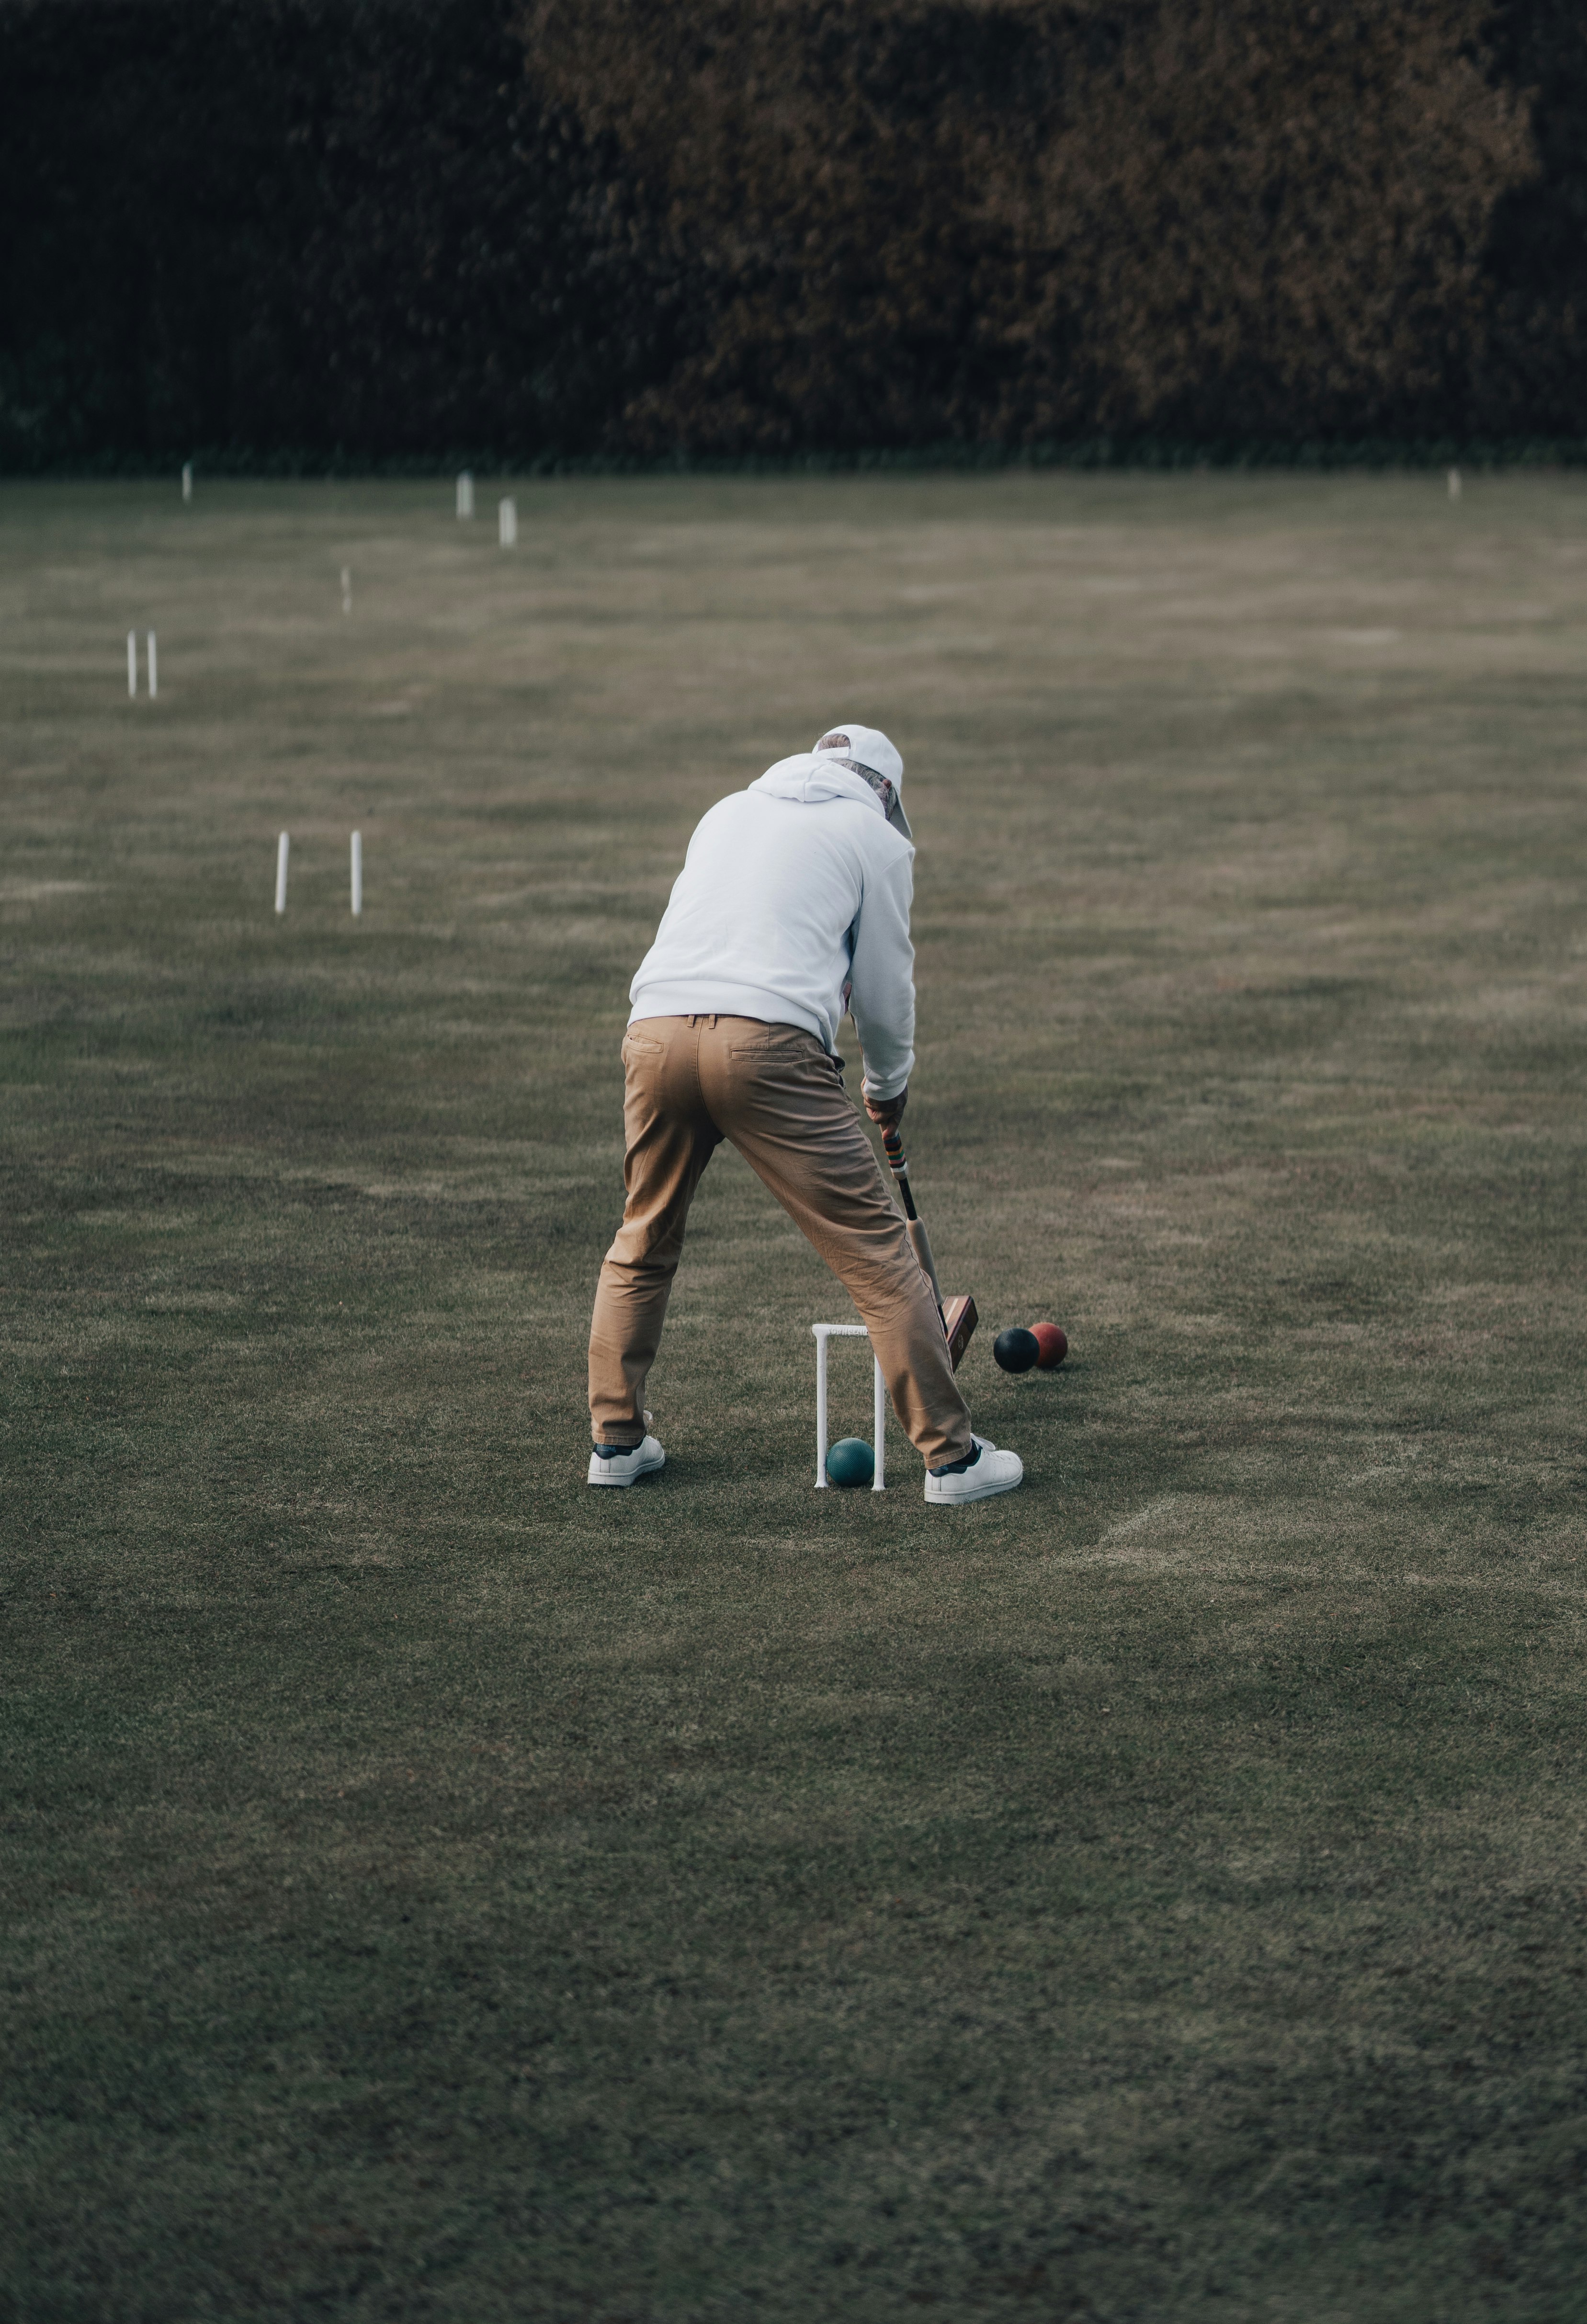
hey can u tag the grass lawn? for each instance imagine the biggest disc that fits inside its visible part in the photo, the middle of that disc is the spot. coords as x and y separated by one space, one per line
434 1890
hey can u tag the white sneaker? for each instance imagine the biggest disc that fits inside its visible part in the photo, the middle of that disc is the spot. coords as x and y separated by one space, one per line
994 1472
644 1459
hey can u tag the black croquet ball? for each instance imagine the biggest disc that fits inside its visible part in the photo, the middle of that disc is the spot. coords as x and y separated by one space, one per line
1016 1348
850 1462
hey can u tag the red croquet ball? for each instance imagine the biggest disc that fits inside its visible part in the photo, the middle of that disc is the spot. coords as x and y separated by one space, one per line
1052 1346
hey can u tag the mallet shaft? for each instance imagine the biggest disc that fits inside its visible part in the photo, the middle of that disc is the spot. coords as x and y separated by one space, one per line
916 1231
892 1146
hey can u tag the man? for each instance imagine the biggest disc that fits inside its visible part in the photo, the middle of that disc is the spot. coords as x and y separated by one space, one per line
792 906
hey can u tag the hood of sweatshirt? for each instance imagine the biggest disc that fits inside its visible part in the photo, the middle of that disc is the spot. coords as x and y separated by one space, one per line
809 777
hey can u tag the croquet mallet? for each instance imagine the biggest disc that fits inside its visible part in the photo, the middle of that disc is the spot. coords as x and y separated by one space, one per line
958 1314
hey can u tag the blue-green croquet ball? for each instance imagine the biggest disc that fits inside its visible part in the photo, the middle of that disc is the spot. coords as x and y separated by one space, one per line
850 1462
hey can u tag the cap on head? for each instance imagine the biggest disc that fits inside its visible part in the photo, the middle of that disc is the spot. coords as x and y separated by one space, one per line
866 751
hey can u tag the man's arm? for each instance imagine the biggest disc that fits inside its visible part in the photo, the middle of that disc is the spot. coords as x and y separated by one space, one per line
882 1000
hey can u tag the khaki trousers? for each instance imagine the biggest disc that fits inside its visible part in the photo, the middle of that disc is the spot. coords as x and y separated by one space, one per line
773 1091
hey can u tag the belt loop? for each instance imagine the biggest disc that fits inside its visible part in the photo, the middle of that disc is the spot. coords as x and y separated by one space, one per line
710 1023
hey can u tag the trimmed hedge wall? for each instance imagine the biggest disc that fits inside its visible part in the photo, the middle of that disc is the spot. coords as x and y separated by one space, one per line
369 233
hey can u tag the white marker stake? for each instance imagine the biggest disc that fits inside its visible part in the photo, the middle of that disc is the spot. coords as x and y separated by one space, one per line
132 663
820 1408
879 1431
466 494
507 522
357 875
346 588
153 669
1454 484
187 480
282 846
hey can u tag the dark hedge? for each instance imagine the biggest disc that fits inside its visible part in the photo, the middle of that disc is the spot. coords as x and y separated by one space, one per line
376 233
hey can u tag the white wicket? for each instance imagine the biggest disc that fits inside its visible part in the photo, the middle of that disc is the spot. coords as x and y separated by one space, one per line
357 875
466 494
1454 484
132 663
507 523
282 847
153 669
187 480
346 588
823 1332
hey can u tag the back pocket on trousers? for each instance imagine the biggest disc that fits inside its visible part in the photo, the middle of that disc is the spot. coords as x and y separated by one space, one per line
785 1046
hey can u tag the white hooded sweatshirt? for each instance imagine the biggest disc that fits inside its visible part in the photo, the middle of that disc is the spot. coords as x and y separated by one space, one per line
793 905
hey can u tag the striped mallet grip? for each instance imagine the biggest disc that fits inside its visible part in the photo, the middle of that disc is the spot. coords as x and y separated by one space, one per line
892 1146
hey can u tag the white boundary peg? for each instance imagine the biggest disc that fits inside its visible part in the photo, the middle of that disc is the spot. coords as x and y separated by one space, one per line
466 494
132 664
346 588
357 875
823 1332
1454 484
153 669
282 849
507 523
187 480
